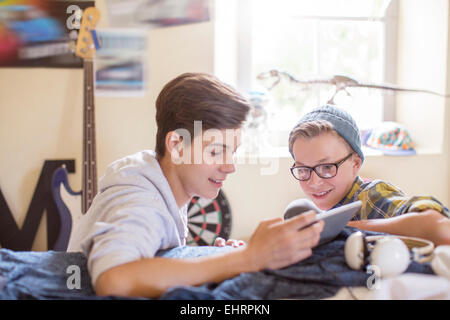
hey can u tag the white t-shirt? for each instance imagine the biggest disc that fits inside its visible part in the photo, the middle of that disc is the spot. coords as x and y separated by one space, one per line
132 217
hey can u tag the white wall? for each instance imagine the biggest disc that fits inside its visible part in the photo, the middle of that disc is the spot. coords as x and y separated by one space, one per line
422 47
424 63
40 118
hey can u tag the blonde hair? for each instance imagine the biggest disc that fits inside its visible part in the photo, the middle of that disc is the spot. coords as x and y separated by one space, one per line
311 129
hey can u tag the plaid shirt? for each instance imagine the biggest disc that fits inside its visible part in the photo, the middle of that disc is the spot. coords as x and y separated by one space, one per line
381 199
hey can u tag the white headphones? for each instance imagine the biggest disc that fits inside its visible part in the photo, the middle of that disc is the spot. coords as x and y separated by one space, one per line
391 254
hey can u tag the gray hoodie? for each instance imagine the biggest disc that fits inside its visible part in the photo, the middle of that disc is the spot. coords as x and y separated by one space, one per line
132 217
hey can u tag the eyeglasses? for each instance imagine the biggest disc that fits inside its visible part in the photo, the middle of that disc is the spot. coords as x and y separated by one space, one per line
325 170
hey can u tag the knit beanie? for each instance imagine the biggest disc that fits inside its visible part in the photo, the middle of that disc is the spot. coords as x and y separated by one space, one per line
342 122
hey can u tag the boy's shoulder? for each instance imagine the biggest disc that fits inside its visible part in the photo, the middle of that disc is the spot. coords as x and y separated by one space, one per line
370 188
377 184
379 197
383 199
142 158
140 169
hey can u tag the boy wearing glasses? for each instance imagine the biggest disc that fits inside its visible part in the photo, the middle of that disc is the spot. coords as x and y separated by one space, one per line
326 148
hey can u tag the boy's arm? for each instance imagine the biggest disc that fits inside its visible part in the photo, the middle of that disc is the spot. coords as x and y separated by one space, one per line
429 224
151 277
422 217
274 244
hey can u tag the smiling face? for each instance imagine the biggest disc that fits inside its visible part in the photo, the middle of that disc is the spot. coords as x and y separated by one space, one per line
205 178
327 147
207 161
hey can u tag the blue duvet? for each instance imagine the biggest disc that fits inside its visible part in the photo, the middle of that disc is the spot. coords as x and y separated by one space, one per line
51 275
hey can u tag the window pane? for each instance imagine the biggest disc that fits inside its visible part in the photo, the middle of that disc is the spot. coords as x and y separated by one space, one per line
312 40
322 8
316 49
286 45
353 48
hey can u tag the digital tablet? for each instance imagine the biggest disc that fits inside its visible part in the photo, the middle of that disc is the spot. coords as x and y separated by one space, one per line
335 219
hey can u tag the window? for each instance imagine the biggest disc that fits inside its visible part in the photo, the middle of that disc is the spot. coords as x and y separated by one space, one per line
310 40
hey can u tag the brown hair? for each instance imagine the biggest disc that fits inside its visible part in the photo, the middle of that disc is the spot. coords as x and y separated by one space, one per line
197 97
311 129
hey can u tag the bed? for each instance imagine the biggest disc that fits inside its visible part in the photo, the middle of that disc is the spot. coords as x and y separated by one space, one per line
49 275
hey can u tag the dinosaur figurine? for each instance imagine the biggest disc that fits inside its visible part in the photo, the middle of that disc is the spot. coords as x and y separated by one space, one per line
341 82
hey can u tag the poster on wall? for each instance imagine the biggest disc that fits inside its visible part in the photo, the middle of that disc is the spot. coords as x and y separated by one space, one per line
40 33
156 13
120 63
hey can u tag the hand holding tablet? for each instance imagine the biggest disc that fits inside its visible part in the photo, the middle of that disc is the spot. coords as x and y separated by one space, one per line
335 219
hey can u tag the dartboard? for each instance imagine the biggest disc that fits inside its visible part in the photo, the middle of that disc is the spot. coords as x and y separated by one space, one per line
208 219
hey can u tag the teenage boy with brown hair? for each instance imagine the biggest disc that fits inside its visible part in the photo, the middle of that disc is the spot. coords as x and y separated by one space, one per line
142 203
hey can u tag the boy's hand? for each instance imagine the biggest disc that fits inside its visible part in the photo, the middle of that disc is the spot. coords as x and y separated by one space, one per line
277 243
221 242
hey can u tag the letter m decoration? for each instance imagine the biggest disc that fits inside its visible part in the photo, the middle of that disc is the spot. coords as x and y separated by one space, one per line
14 238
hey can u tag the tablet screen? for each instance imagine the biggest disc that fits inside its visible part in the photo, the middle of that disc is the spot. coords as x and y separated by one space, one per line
335 219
